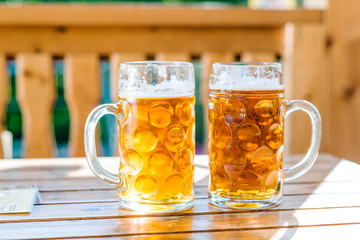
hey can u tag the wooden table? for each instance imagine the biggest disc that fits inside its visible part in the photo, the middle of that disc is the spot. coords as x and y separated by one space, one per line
323 204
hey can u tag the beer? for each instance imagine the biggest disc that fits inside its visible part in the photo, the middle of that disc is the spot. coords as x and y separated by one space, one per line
157 149
246 139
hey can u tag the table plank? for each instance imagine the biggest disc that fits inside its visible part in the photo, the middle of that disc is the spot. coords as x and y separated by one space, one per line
180 224
105 195
310 232
75 204
110 209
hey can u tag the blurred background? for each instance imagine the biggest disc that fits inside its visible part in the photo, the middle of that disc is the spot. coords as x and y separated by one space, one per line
317 41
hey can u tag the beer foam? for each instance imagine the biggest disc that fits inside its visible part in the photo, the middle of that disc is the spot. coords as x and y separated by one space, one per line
244 83
246 77
165 89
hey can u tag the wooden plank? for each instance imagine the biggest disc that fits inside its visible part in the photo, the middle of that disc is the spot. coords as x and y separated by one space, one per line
304 64
140 39
82 84
110 194
310 232
258 56
36 94
115 59
173 56
344 77
180 224
149 15
207 59
3 96
66 210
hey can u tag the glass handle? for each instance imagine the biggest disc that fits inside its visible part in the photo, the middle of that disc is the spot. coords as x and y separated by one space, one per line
305 164
90 147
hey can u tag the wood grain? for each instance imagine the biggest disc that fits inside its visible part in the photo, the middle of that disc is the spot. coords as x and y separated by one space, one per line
180 224
36 94
82 94
195 40
344 78
86 210
305 80
258 56
149 15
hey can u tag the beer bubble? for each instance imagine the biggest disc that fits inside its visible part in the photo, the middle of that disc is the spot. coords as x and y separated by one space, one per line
234 162
212 111
160 114
272 180
191 135
145 139
219 179
185 112
142 110
174 138
145 184
133 162
184 160
189 183
248 180
160 163
123 113
222 136
275 136
248 136
234 112
174 184
263 112
262 160
279 155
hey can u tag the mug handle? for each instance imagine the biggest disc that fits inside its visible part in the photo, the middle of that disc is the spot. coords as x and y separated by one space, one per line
305 164
90 147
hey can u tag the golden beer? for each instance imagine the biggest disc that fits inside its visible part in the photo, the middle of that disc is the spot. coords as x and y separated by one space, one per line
157 149
246 140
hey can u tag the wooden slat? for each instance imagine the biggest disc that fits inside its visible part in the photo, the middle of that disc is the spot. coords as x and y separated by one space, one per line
82 84
305 80
149 15
180 224
141 39
173 56
344 77
60 209
310 232
36 94
115 59
258 56
3 96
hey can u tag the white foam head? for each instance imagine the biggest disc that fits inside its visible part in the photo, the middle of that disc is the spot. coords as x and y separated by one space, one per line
153 79
246 76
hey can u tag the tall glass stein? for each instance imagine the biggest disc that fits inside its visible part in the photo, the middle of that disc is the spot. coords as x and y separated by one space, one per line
246 135
156 122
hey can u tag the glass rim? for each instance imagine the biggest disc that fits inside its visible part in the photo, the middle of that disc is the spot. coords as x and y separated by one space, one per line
157 63
248 64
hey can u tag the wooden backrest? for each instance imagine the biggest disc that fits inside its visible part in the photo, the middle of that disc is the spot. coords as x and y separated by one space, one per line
80 35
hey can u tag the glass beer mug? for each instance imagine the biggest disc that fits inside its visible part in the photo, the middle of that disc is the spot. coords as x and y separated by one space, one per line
156 121
246 135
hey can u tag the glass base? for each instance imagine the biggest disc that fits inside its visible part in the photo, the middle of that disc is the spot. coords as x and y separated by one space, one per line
155 208
243 203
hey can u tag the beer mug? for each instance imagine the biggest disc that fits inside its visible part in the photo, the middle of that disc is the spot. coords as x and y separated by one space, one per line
156 121
246 135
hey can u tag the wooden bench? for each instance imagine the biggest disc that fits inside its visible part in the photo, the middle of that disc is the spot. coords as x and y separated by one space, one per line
80 34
